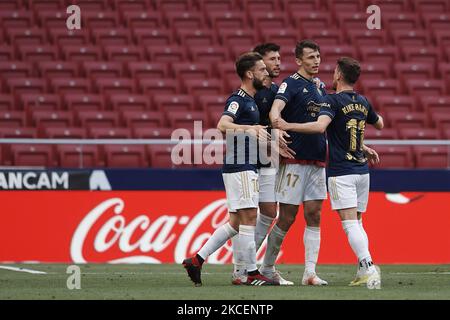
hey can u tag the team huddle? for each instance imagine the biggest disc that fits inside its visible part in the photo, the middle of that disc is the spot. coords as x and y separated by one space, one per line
301 117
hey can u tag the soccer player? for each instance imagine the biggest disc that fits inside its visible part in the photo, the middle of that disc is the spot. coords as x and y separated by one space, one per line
344 116
266 173
240 118
300 180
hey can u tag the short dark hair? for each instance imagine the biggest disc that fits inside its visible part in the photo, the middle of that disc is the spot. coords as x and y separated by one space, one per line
350 69
246 61
305 44
263 48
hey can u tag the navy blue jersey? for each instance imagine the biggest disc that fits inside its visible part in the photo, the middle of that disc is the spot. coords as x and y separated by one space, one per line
303 101
264 99
349 112
239 156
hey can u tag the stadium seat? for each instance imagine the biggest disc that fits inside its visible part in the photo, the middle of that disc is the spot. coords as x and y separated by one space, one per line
326 37
19 86
10 5
441 120
125 156
200 87
212 101
208 54
421 54
102 69
419 134
58 69
375 70
43 119
181 119
70 85
395 103
169 53
41 5
169 103
109 133
7 53
431 5
195 37
148 119
7 102
32 102
330 54
15 69
435 104
98 119
385 54
410 37
421 88
285 37
362 37
156 70
12 119
436 20
26 36
400 20
235 51
213 115
159 86
109 86
75 156
153 36
186 71
142 19
123 53
260 6
152 133
432 156
406 71
114 36
300 5
380 87
161 157
122 102
83 53
215 6
390 5
16 19
229 37
184 20
87 102
24 132
227 19
173 5
269 20
53 19
65 133
35 53
344 5
100 19
395 157
63 37
93 5
371 133
444 73
311 19
33 156
400 120
132 5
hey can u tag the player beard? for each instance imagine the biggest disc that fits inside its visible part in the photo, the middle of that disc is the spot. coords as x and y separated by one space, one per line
258 84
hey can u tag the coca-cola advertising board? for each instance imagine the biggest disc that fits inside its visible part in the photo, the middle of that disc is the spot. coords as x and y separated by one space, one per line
167 226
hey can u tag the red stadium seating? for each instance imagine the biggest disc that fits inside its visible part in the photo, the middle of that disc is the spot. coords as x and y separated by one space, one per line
6 53
93 5
26 36
43 119
26 85
181 119
260 6
419 134
431 5
90 119
375 70
421 54
436 104
74 156
212 101
103 69
436 20
330 54
87 102
395 157
410 37
54 19
65 133
32 102
34 53
363 37
132 5
192 70
122 102
108 36
32 155
109 133
195 37
24 132
208 54
58 69
173 5
235 37
139 119
395 103
83 53
109 86
169 103
12 119
71 85
311 19
421 88
15 69
400 20
161 157
152 133
326 37
184 19
142 19
203 87
432 156
153 37
400 120
159 86
138 70
102 19
380 87
16 19
385 134
7 102
268 20
285 37
169 53
385 54
123 53
125 156
227 19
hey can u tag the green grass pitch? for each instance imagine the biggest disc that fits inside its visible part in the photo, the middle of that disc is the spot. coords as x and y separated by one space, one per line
170 282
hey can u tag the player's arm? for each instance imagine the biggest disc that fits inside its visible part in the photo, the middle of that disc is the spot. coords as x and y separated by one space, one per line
379 124
275 112
371 155
226 123
318 126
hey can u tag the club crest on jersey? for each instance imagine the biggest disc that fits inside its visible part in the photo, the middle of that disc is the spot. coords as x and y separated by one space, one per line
305 90
233 107
282 88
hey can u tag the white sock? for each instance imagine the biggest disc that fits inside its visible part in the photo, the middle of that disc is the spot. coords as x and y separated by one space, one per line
274 242
217 239
311 240
247 246
364 232
239 264
358 244
263 224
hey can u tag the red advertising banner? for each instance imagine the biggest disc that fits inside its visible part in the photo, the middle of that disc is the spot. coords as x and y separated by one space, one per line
167 226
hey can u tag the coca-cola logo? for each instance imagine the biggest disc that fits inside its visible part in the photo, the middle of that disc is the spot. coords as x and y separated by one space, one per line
172 238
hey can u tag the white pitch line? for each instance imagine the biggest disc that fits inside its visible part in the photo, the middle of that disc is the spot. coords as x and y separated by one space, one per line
444 272
22 270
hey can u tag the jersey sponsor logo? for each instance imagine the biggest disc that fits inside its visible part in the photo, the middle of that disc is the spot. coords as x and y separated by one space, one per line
282 88
233 107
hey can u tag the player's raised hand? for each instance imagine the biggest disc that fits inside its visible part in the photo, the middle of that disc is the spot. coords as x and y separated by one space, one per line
279 123
371 155
261 133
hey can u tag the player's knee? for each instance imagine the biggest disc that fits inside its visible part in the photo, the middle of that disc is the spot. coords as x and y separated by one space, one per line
312 218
